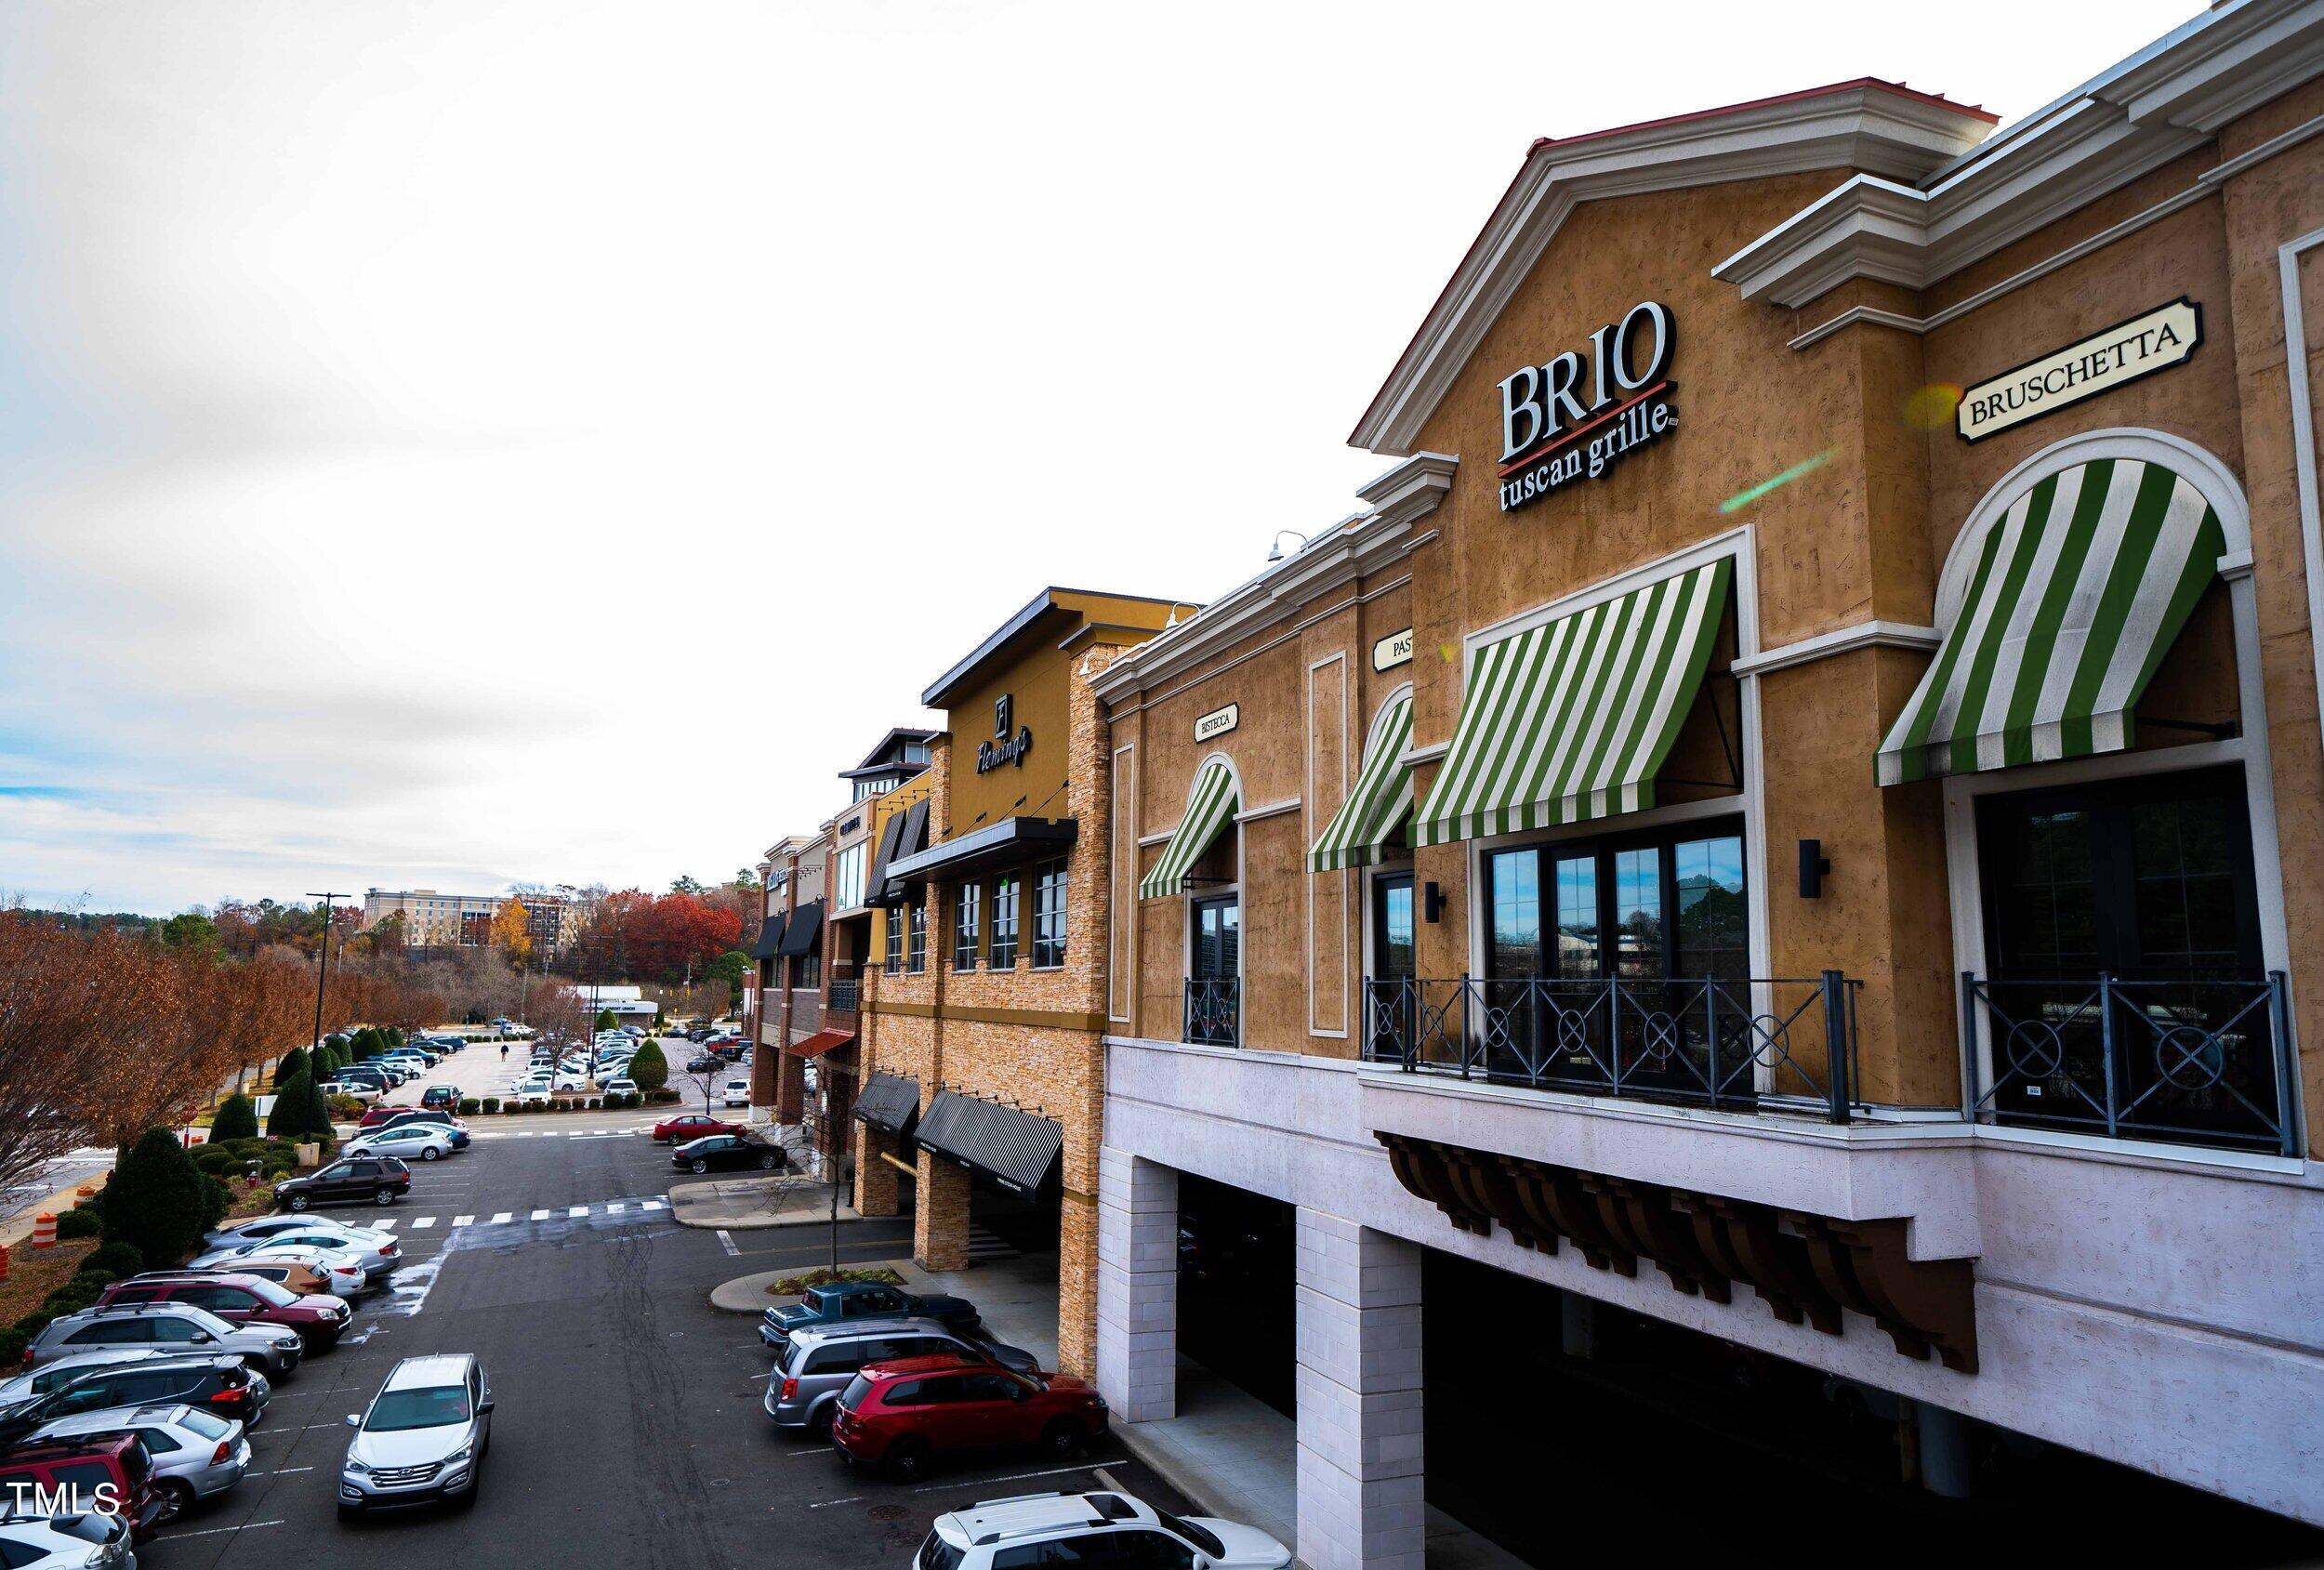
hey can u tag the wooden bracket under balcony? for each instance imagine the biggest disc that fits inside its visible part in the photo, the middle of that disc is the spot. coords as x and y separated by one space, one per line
1805 1268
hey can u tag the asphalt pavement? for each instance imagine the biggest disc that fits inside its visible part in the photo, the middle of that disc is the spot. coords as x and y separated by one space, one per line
629 1431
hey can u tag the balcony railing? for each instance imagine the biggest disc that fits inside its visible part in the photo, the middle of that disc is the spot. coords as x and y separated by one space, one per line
1214 1013
1736 1044
844 995
2195 1061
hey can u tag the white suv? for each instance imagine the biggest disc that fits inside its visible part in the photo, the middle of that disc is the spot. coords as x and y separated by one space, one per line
1103 1529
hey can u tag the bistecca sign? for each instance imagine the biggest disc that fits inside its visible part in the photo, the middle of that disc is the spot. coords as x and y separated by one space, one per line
1573 417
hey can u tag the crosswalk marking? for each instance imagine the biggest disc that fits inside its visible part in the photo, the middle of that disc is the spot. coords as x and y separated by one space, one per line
385 1223
577 1210
500 1216
613 1208
540 1215
653 1205
462 1221
423 1223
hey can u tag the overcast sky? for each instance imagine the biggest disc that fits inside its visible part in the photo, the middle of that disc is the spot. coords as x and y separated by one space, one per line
445 444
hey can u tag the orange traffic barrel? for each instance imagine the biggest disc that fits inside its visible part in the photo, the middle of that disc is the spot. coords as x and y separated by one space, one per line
3 1261
88 1191
44 1231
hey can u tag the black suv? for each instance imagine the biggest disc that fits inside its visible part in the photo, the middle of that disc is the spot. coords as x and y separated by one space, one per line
375 1179
222 1386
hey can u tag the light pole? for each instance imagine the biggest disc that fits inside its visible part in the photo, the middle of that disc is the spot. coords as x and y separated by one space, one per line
322 971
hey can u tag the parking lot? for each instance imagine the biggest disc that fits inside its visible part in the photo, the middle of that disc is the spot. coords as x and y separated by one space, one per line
628 1430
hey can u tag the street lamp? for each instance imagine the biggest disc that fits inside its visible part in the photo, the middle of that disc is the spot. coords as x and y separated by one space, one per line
322 971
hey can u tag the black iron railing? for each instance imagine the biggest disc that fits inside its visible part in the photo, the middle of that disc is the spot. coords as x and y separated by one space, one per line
1735 1043
1214 1013
843 996
2195 1061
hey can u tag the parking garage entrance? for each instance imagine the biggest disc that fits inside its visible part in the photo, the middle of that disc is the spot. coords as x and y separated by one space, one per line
1237 1315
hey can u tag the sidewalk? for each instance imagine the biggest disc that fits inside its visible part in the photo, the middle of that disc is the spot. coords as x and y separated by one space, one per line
787 1201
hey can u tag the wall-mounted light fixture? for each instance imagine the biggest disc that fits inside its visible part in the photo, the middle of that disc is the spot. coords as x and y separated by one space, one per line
1274 547
1815 866
1432 903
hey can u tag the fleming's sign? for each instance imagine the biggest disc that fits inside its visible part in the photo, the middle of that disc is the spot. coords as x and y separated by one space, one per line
2100 363
1552 437
1003 747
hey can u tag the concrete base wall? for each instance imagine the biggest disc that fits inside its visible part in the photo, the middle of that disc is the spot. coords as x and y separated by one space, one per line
2160 1309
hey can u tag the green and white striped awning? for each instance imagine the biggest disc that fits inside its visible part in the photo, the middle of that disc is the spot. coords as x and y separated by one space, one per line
1357 835
2080 587
1571 719
1209 807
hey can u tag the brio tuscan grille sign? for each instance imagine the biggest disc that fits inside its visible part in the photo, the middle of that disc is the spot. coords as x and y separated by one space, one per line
1393 649
2099 364
1218 722
1571 418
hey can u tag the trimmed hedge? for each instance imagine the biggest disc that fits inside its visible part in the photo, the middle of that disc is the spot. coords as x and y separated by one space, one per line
119 1258
491 1104
12 1344
468 1106
77 1222
290 1066
237 1119
155 1201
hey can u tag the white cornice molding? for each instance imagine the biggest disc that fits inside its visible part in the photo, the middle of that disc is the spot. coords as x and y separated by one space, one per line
2159 105
1841 640
1861 125
1369 543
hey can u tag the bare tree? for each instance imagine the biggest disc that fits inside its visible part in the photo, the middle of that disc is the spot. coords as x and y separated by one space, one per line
58 1016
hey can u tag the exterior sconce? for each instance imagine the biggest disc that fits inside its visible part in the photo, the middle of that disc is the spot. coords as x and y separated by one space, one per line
1813 868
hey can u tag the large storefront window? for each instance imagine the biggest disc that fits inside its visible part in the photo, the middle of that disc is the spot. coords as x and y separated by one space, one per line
916 958
2126 990
1048 915
847 881
1005 923
894 923
964 925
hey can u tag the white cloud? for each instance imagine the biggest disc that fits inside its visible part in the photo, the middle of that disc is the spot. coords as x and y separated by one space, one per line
423 428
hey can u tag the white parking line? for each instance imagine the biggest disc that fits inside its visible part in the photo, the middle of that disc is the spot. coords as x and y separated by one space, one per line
820 1504
1012 1477
278 1472
728 1244
214 1531
499 1217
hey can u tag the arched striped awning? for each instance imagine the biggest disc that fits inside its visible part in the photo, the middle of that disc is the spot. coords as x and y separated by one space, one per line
2081 587
1209 807
1358 833
1572 719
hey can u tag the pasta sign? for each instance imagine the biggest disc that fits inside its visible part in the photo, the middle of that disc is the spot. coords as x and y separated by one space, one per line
1571 418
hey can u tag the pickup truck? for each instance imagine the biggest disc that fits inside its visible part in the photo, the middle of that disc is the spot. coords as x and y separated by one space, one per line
849 1302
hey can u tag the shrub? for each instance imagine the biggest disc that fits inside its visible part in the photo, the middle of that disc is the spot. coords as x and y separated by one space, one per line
467 1106
12 1343
605 1019
343 1109
662 1098
293 1064
299 1111
237 1119
71 1298
118 1258
217 1199
649 1068
79 1224
156 1199
491 1104
100 1279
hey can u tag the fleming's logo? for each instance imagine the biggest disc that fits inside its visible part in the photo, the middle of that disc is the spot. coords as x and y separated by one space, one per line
1544 419
1003 747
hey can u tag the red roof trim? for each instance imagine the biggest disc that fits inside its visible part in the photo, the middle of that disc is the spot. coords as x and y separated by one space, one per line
1854 85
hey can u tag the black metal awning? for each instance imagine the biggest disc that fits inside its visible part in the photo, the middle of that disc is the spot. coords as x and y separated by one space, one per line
804 927
911 840
770 943
996 847
1014 1149
875 884
889 1103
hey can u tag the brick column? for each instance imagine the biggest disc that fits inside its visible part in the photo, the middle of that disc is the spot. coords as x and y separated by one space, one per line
940 1218
790 1086
1076 1286
1360 1505
1137 1350
877 1191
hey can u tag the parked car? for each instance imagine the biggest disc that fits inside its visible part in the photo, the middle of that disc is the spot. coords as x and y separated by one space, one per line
270 1348
382 1179
91 1540
724 1152
317 1242
903 1414
61 1371
362 1090
425 1115
238 1299
258 1227
196 1456
682 1127
706 1062
736 1093
1110 1529
855 1302
424 1436
734 1051
621 1087
89 1470
219 1383
820 1361
445 1097
423 1142
532 1096
574 1081
377 1114
302 1276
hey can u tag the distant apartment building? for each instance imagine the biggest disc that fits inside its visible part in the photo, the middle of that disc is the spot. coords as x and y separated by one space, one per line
433 919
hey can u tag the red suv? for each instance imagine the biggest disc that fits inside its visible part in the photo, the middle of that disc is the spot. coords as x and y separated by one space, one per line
241 1299
901 1414
111 1475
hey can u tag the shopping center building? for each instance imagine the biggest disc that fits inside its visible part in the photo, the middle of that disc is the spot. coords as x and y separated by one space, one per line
1781 833
982 1017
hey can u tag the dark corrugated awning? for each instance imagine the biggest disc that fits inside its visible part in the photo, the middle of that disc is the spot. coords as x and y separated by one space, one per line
1008 843
804 927
910 841
770 943
1015 1149
875 886
821 1042
889 1101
